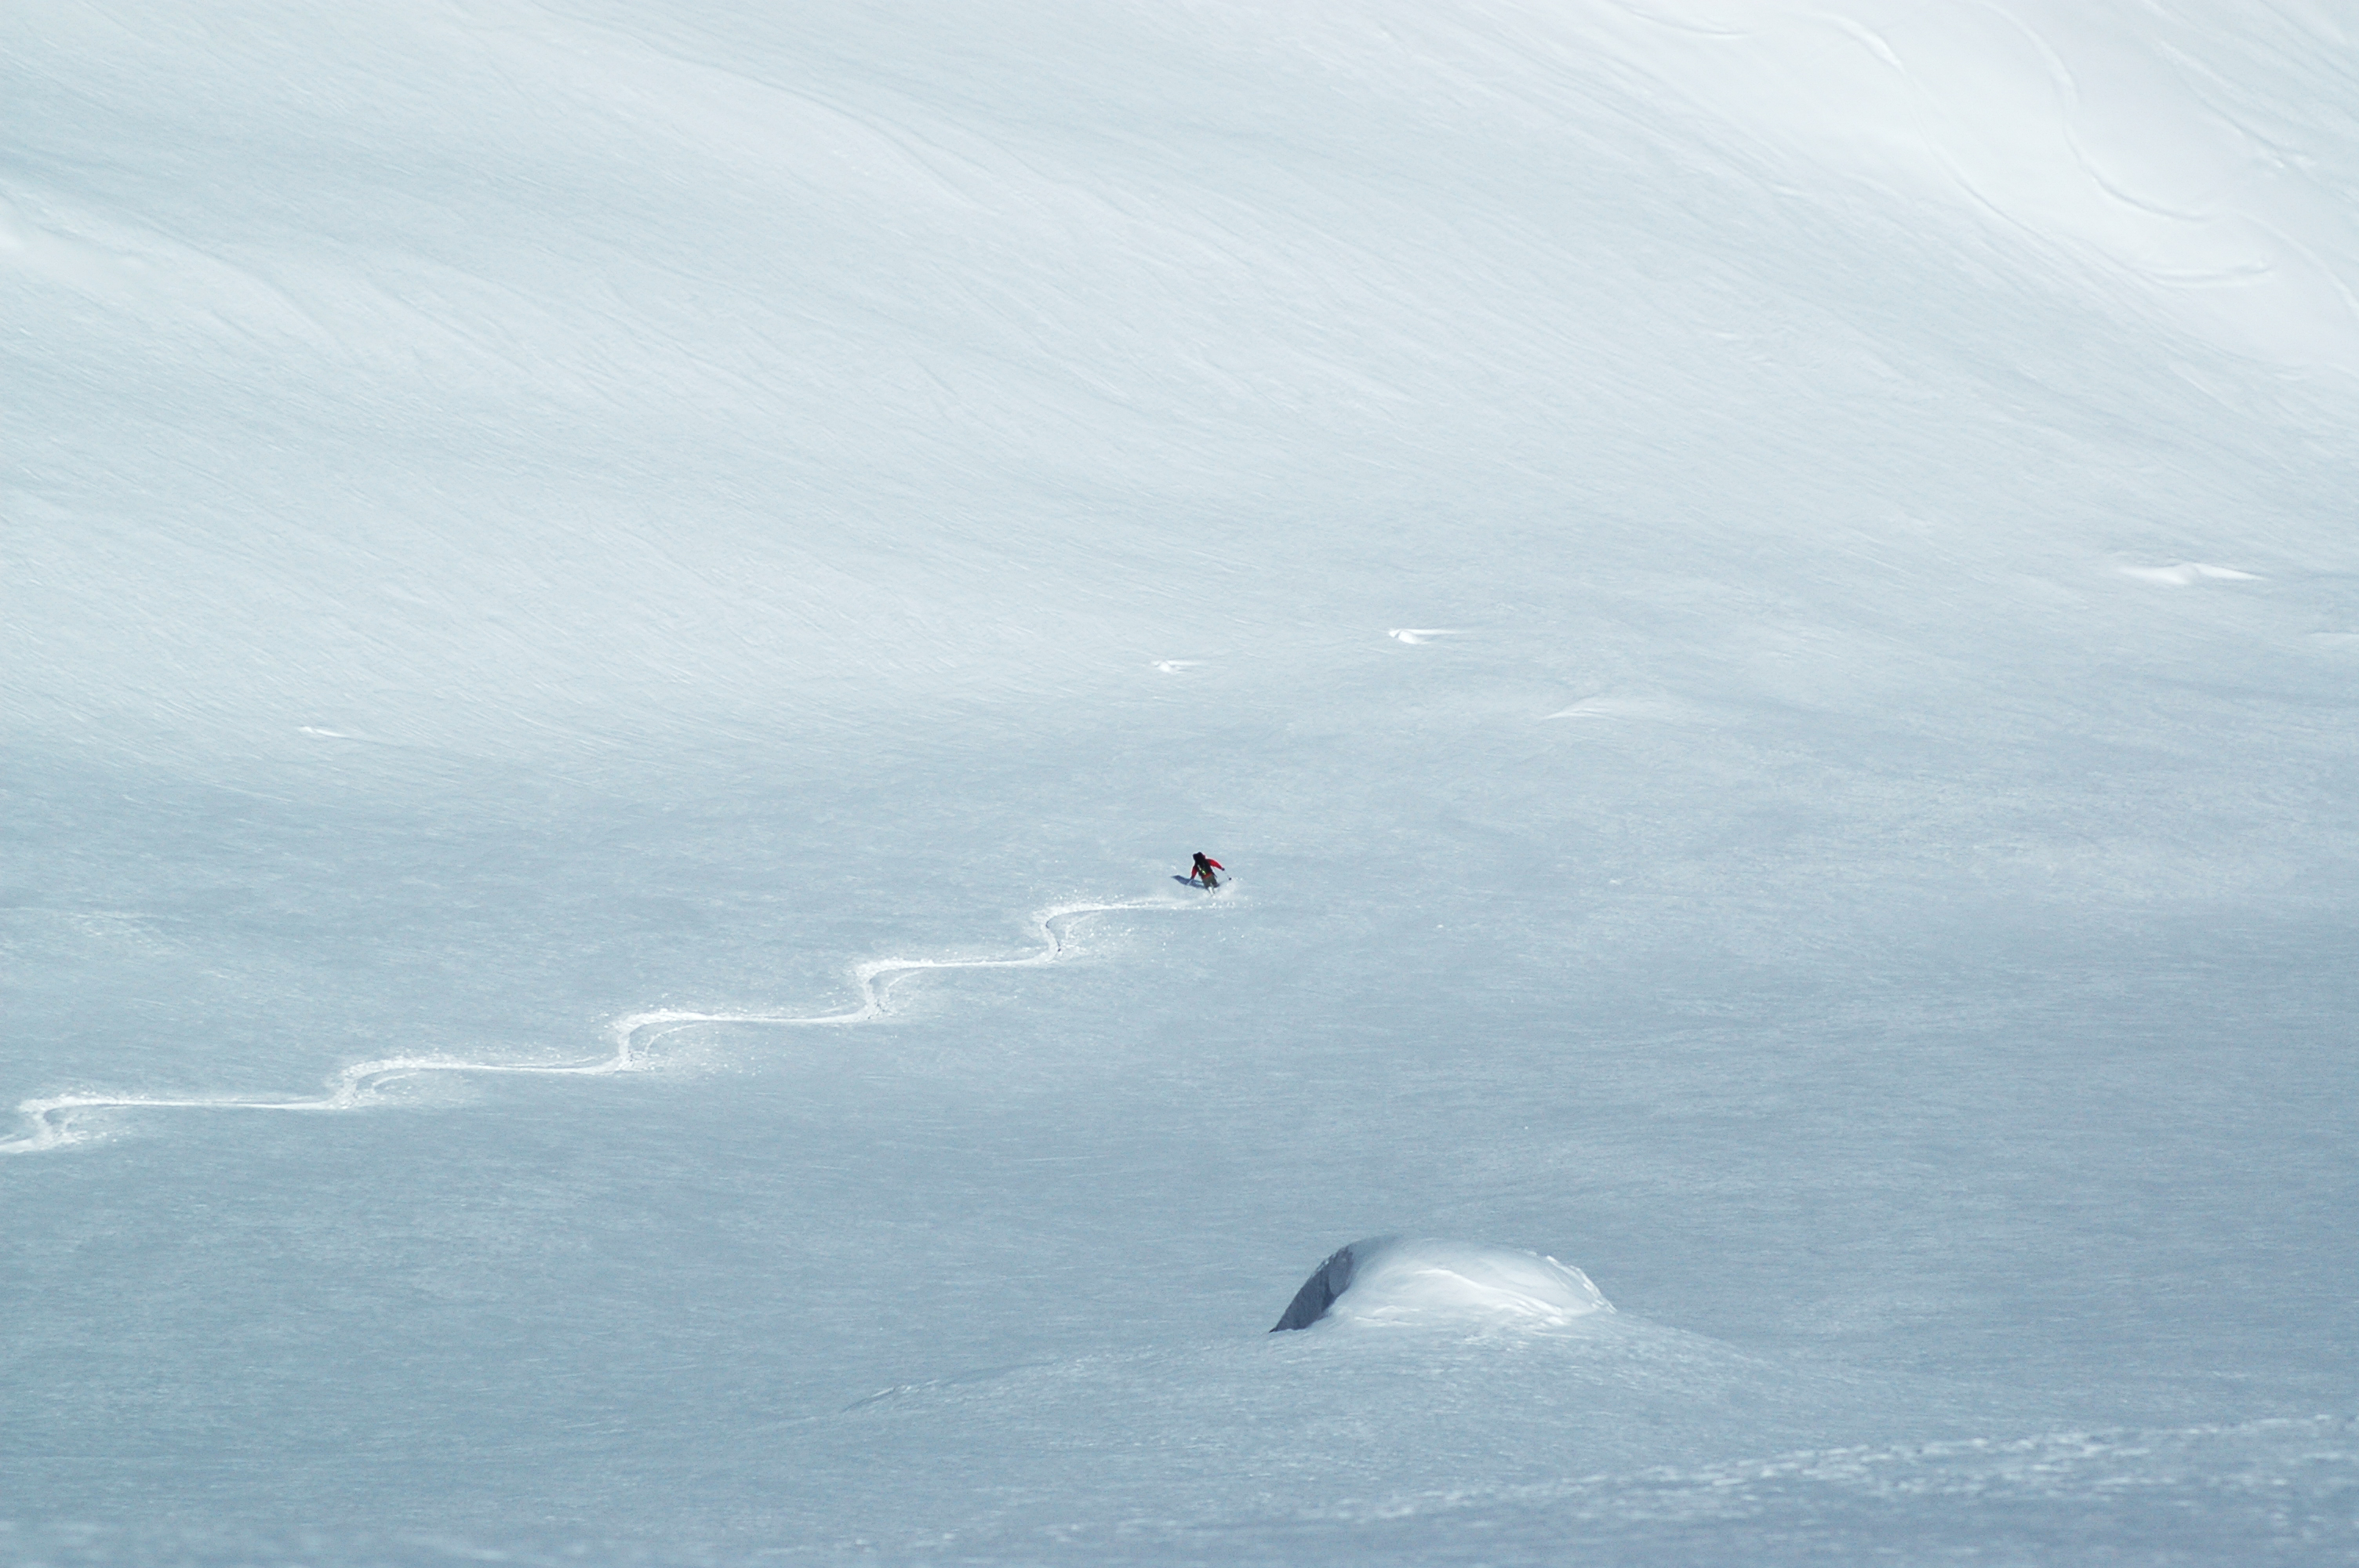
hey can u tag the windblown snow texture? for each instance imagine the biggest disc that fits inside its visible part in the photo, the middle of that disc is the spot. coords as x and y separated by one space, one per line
1766 592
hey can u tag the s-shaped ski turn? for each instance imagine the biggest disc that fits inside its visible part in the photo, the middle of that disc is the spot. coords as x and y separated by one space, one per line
49 1123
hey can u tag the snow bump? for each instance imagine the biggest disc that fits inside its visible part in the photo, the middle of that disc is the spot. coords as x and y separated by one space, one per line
1396 1281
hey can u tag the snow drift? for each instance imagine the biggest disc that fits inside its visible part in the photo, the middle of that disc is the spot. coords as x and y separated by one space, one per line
1391 1280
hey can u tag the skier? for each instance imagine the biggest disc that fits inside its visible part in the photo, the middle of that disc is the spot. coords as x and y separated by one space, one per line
1203 869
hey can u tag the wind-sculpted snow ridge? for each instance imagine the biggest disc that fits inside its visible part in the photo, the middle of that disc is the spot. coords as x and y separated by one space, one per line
1392 1281
49 1121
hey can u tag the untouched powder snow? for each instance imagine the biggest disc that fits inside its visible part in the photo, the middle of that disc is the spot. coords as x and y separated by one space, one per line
1763 598
2137 146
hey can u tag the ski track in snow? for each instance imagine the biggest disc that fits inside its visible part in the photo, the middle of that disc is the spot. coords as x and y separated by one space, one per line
2186 574
50 1120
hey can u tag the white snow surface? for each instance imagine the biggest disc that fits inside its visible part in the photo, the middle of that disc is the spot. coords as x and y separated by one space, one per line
634 606
1417 1282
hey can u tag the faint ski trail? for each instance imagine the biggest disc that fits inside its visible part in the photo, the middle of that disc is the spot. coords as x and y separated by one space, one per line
2185 574
50 1120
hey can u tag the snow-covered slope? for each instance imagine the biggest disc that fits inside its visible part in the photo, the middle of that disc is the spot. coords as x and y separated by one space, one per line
1763 599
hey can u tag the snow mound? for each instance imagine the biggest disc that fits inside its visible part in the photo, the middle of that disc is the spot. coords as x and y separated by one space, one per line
1399 1281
